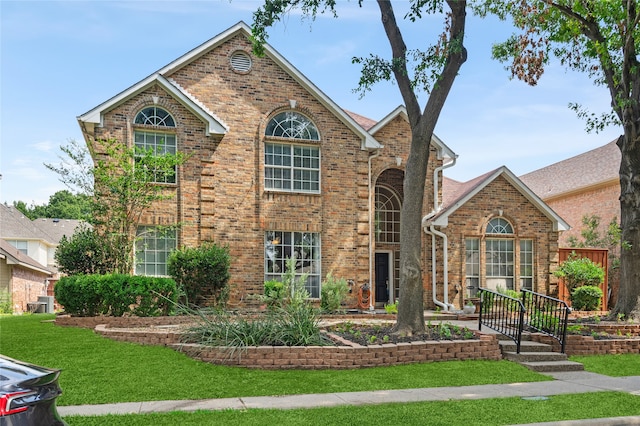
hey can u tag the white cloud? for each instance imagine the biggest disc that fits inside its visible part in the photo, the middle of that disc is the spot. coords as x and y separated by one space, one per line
45 146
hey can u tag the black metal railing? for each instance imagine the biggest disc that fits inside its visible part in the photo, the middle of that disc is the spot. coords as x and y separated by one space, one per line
503 314
546 315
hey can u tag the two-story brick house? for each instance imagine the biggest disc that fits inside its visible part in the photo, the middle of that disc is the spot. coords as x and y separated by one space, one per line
276 169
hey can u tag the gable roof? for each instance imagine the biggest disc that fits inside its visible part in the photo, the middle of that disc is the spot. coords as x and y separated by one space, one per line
593 168
94 116
14 256
456 194
58 228
14 225
443 150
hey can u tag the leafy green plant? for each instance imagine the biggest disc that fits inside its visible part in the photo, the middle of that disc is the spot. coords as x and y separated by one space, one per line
586 297
391 308
202 273
544 321
5 303
578 271
334 291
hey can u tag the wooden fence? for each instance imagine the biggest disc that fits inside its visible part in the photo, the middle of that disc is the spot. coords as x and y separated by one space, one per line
598 256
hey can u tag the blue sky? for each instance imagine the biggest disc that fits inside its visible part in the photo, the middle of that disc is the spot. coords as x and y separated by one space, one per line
59 59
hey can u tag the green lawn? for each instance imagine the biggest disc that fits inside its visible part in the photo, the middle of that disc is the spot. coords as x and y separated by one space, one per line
611 365
98 370
486 412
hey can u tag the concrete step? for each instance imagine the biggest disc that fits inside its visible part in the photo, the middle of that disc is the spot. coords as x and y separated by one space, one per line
553 366
534 356
525 346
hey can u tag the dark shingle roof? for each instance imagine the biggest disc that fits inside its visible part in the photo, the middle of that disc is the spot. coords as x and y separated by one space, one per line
582 171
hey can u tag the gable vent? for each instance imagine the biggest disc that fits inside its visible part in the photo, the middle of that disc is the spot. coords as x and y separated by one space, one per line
241 62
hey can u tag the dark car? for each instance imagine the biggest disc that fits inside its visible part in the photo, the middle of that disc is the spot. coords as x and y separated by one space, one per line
28 394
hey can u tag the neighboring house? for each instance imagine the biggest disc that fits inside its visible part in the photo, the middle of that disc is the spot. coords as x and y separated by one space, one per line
276 170
36 242
587 184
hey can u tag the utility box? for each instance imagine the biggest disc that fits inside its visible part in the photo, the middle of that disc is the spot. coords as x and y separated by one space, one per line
48 303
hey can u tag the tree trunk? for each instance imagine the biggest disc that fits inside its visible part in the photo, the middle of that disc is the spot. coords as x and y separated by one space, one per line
411 309
628 302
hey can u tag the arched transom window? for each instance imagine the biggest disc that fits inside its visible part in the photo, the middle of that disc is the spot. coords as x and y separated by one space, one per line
293 125
499 225
155 116
387 226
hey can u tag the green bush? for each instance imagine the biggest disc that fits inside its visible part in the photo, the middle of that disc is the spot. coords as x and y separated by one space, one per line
578 271
333 293
5 303
116 295
201 272
586 298
84 253
274 293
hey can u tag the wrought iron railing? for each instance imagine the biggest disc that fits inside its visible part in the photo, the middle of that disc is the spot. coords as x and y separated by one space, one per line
546 315
503 314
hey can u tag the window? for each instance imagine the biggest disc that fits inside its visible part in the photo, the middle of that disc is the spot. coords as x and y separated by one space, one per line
158 144
387 222
152 250
292 125
21 246
155 116
280 246
472 265
499 264
292 168
526 264
499 225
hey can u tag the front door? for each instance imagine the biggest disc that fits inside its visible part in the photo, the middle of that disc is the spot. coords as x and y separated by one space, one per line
382 278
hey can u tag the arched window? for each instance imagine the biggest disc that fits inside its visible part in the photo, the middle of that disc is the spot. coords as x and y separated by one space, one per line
499 225
155 116
289 167
159 142
387 226
293 125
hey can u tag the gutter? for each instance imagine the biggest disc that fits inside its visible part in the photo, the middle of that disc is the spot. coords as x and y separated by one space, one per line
371 228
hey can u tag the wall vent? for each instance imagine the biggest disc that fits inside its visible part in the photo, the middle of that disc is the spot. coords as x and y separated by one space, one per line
241 62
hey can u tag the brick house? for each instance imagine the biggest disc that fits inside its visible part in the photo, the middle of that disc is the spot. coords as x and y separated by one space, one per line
277 170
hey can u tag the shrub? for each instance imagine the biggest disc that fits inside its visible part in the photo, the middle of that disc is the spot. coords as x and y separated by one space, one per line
83 253
116 295
578 271
586 297
333 293
201 272
274 293
5 303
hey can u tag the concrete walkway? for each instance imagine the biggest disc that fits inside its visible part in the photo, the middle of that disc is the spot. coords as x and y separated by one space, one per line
565 383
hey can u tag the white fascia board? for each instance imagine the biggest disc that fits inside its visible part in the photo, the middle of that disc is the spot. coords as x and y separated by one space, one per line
214 125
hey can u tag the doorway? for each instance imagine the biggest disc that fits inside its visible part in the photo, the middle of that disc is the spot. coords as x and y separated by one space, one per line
383 278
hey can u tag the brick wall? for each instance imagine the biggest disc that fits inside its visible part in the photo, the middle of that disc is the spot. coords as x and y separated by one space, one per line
470 221
26 286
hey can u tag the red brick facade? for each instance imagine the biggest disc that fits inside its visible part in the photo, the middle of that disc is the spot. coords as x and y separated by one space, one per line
220 192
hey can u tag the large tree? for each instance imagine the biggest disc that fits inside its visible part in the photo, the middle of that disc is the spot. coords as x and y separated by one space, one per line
600 38
62 205
432 70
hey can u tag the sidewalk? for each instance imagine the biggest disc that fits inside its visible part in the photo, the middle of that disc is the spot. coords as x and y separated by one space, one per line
565 383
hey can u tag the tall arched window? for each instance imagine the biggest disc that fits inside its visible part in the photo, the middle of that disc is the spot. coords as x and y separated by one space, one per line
159 142
387 218
290 167
499 254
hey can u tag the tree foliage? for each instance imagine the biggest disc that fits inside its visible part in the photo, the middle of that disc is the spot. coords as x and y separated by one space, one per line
599 38
62 205
121 184
431 69
83 253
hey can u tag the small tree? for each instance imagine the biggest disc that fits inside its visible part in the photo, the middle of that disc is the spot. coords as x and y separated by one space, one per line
199 270
122 183
82 253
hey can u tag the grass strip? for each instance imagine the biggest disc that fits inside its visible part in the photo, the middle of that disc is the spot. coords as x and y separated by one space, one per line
486 412
617 365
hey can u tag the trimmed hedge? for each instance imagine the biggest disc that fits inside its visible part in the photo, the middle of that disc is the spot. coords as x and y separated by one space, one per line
116 295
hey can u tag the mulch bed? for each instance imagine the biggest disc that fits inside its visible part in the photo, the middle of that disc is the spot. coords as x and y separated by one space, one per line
378 334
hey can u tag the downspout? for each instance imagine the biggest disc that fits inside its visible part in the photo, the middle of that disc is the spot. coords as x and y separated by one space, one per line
432 231
371 229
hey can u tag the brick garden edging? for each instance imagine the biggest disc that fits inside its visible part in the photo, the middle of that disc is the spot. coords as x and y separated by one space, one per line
587 345
348 355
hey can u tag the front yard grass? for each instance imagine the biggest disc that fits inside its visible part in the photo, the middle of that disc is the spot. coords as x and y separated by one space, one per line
618 365
97 370
486 412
